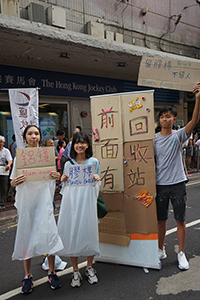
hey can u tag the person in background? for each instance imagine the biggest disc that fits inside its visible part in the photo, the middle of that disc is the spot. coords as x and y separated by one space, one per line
5 164
196 146
66 153
189 152
11 190
77 127
60 148
50 143
10 147
60 135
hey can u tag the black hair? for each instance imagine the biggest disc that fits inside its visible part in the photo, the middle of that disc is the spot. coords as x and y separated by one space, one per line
27 128
82 138
79 127
166 109
59 146
60 132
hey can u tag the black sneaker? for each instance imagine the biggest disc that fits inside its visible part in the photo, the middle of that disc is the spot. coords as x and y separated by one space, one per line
54 280
27 284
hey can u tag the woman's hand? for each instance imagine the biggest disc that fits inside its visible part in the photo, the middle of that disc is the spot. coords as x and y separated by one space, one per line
64 177
55 175
18 180
96 177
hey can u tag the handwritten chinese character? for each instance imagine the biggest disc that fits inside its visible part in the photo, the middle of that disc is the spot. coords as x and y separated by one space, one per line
87 172
24 158
108 178
23 112
45 155
167 65
138 153
157 64
148 63
107 117
24 124
135 179
109 151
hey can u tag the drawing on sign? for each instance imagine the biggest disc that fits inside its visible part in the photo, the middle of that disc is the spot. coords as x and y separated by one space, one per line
134 104
108 178
107 117
145 198
139 125
135 178
109 151
138 153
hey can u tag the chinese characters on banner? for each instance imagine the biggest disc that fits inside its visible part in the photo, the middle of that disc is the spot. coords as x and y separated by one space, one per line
80 175
36 163
125 126
24 109
106 115
168 73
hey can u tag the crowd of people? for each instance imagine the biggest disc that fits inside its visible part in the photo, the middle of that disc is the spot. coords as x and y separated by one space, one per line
76 232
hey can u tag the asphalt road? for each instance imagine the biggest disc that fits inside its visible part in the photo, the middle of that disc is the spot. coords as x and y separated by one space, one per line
115 281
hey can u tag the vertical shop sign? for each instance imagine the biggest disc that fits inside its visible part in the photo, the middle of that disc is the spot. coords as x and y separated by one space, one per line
24 110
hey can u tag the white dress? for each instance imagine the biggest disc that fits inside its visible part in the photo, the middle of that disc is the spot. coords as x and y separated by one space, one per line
77 221
36 231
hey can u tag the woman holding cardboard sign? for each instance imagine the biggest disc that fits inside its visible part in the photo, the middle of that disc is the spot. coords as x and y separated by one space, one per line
77 222
36 232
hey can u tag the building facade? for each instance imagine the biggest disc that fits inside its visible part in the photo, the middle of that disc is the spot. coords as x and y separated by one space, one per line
71 50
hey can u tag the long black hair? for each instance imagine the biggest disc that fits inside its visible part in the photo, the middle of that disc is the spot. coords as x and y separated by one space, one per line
82 138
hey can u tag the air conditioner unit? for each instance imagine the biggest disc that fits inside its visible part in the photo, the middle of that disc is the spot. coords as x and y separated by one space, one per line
95 29
36 12
56 16
10 8
109 35
119 37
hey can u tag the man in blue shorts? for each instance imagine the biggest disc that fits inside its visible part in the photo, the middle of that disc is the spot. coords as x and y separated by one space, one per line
170 175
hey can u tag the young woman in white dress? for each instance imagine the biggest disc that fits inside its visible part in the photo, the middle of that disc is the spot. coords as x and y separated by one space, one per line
78 222
37 231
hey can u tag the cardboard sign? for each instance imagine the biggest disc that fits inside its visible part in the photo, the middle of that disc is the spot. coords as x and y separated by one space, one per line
79 174
36 163
168 73
106 117
139 171
138 116
110 156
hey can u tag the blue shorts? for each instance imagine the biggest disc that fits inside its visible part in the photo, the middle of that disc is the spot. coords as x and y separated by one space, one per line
177 194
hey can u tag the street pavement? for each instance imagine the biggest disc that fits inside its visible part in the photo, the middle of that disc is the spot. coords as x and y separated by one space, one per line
115 281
